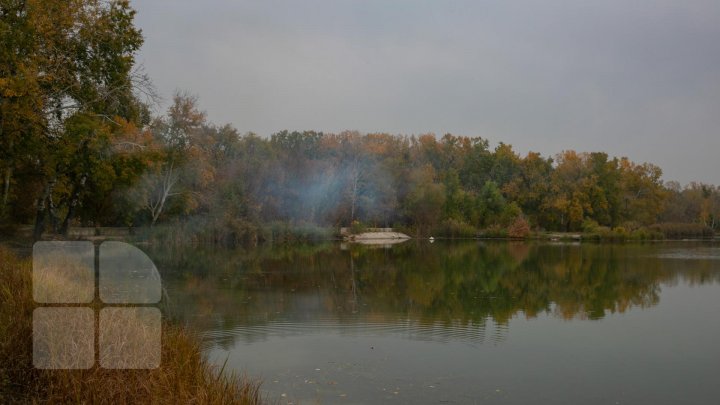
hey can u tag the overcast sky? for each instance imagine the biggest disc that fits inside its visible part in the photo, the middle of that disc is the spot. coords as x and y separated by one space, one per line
636 78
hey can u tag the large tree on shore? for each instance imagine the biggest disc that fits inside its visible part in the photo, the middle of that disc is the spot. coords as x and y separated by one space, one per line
67 93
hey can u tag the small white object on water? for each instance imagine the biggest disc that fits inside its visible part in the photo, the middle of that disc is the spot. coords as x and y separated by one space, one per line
431 239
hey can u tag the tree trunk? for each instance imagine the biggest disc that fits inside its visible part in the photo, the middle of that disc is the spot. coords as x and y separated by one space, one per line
6 179
40 215
39 219
74 201
52 212
168 183
6 188
354 189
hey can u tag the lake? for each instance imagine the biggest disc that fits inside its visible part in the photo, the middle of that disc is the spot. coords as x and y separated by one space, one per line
459 322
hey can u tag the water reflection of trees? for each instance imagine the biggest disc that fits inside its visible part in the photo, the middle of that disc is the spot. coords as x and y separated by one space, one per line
439 285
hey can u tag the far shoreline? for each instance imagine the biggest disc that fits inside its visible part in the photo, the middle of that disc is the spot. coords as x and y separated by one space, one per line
22 239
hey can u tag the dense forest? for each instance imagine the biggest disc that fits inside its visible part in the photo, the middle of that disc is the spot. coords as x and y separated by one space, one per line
79 145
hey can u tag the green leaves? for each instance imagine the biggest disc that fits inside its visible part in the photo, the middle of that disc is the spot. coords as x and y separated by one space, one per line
66 91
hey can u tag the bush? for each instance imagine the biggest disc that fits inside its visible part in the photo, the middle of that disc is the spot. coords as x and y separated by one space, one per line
510 213
357 227
628 231
621 232
605 234
599 233
407 230
519 229
589 225
494 231
683 230
283 232
226 231
631 226
453 228
646 234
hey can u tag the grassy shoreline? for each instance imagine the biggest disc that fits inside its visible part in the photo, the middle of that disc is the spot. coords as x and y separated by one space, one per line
185 375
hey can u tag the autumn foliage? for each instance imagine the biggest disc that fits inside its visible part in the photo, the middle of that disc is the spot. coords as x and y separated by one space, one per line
80 147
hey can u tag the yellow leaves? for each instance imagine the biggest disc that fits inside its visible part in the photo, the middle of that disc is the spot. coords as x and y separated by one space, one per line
128 139
512 189
23 84
506 151
576 212
378 144
52 19
427 140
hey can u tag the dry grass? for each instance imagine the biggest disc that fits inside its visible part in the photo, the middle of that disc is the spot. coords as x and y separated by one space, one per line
63 274
184 377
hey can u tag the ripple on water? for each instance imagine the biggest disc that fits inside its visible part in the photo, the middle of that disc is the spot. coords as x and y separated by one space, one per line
469 333
698 253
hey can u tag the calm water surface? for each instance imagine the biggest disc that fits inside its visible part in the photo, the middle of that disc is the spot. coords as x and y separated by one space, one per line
463 323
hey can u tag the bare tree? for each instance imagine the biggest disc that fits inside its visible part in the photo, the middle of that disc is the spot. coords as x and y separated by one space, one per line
161 187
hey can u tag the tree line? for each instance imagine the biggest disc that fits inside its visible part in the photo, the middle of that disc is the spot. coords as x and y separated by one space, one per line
79 145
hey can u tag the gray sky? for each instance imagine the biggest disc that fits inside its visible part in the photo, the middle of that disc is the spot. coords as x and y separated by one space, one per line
636 78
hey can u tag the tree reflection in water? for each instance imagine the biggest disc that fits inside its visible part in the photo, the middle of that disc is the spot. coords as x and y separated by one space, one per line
445 290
